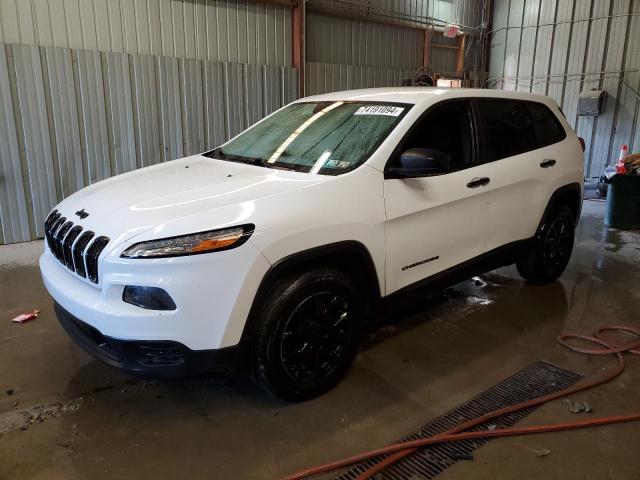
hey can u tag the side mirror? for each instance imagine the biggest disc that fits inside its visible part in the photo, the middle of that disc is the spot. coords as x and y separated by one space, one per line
420 162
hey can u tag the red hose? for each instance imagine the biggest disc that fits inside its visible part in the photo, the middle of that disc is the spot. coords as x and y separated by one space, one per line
401 450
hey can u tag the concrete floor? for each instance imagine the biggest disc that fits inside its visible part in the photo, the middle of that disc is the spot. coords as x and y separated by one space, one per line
66 416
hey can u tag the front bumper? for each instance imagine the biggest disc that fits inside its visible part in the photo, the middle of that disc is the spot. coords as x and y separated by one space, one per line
157 359
213 294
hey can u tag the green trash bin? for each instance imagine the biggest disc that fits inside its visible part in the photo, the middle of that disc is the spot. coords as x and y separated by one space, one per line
623 202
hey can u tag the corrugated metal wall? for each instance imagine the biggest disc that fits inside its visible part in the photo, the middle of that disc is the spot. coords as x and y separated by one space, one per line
347 41
565 47
362 49
90 89
345 53
330 77
217 30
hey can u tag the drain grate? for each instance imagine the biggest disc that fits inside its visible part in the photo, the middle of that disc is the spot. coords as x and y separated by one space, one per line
535 381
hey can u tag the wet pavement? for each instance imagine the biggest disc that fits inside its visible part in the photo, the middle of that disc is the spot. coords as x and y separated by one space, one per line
66 416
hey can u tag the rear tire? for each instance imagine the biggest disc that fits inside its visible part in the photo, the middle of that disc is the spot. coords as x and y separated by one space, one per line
308 334
552 248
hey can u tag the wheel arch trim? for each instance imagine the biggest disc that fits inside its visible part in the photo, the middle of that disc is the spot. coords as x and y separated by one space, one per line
564 191
323 254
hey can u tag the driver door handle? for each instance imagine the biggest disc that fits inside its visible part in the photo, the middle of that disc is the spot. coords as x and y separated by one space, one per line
547 162
478 182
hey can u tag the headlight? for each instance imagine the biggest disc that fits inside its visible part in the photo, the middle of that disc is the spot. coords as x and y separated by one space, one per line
192 244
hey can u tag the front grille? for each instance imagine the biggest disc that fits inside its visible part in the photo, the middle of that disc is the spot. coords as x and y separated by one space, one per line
54 229
66 246
77 250
59 239
93 252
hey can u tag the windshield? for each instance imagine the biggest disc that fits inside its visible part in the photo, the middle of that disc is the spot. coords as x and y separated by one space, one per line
328 138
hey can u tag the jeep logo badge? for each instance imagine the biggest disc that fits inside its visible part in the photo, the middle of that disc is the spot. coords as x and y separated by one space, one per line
82 213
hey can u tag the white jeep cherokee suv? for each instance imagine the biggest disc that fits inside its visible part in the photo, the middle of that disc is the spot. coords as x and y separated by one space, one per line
275 246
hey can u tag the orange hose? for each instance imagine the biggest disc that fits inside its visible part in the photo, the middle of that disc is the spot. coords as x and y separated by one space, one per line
453 437
401 450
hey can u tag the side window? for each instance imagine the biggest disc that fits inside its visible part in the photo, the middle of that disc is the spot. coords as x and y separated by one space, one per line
547 127
446 128
507 128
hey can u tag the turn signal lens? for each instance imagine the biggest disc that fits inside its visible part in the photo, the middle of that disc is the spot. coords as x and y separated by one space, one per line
193 244
218 242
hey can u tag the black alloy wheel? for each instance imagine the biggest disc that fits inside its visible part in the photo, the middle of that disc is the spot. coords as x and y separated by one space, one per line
309 327
550 251
558 244
316 337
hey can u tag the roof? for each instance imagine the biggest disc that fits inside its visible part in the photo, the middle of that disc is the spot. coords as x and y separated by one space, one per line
416 95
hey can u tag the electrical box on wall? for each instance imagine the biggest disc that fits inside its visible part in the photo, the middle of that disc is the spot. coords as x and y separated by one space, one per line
591 102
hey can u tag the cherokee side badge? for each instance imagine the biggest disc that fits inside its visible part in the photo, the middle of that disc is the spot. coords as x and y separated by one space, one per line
82 214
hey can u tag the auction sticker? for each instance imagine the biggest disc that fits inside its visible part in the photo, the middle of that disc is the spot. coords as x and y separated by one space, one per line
379 110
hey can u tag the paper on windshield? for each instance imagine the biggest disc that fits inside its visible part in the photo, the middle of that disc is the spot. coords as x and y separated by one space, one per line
386 110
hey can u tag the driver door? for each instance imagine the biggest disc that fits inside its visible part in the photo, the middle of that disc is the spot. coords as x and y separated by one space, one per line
436 222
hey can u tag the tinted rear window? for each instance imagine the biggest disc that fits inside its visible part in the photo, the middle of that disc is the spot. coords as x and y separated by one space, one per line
508 128
514 127
547 127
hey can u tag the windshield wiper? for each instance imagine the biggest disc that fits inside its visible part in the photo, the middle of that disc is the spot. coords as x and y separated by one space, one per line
259 162
276 165
218 154
215 153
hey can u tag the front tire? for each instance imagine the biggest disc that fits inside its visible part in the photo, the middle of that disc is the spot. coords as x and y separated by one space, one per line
553 245
308 334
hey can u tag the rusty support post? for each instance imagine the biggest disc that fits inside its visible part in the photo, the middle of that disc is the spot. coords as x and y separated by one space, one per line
426 52
297 32
460 56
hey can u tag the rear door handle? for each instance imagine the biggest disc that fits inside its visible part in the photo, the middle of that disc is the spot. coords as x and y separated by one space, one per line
478 182
548 162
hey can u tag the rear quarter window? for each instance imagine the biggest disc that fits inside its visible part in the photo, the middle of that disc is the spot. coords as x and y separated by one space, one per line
546 125
512 127
507 128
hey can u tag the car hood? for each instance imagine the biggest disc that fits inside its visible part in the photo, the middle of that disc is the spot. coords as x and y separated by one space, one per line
201 192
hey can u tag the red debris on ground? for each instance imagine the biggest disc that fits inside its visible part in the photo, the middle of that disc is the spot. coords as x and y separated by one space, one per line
25 317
